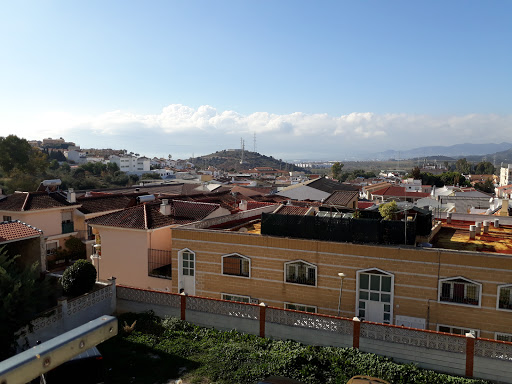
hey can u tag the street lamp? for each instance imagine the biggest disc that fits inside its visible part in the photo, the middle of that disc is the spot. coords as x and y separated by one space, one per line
342 276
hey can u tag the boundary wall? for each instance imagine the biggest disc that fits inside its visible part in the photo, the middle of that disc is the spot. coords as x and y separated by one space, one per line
443 352
69 314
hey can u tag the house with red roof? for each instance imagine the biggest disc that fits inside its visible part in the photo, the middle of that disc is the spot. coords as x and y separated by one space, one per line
51 212
19 238
134 244
396 193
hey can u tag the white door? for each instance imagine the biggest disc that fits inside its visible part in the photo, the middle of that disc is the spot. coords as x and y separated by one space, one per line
375 311
187 273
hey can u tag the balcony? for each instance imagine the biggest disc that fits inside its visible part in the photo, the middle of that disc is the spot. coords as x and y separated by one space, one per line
159 263
68 227
86 235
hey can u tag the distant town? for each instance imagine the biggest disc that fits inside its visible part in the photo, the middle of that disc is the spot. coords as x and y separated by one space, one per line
236 239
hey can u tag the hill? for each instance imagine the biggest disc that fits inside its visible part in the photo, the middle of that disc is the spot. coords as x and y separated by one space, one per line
457 150
230 160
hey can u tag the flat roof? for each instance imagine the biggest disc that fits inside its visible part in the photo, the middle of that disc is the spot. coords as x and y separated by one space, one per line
455 236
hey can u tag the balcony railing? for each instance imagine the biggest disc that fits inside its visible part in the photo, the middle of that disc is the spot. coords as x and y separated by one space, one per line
68 227
300 280
159 263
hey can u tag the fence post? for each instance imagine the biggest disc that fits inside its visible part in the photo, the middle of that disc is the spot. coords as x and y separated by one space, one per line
357 332
183 305
470 353
263 315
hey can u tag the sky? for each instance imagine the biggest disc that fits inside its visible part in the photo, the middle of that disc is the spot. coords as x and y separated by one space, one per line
321 80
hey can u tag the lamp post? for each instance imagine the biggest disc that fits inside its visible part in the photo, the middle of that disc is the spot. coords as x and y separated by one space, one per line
342 276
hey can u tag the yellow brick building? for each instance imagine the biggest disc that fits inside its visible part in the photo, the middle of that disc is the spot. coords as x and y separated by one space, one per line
437 289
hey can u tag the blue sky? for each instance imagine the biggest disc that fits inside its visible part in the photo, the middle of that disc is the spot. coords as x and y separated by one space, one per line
319 79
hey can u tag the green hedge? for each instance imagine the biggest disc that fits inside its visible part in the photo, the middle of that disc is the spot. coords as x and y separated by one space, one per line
160 350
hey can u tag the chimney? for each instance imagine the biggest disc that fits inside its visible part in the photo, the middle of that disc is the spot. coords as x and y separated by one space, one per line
165 208
71 196
243 205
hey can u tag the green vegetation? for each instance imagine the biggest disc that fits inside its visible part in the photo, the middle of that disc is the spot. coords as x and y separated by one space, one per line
157 351
388 210
78 278
336 170
23 294
22 168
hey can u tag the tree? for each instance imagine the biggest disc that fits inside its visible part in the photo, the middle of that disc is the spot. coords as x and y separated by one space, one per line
16 153
485 168
462 166
79 278
22 292
388 210
416 173
487 186
336 170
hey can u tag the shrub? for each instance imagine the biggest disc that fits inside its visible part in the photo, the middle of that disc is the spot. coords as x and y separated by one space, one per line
78 278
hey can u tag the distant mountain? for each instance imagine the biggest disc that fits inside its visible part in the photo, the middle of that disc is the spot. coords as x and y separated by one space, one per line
457 150
231 159
497 158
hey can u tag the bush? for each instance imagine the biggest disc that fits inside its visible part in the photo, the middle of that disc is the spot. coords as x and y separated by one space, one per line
78 278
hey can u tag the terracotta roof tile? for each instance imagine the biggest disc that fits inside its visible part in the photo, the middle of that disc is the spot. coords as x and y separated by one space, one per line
148 216
342 198
16 230
27 201
106 202
292 210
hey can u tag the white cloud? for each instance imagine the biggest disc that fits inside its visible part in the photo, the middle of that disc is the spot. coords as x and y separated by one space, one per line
183 130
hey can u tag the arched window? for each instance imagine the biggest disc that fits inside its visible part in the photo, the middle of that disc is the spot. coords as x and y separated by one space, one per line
300 272
236 265
459 290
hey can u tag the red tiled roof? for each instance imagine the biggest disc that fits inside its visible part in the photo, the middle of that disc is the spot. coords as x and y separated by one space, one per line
106 202
258 204
364 204
292 210
148 216
16 230
27 201
342 198
399 192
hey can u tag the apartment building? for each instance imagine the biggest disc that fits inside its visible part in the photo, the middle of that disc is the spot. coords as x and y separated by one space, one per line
506 175
132 164
457 286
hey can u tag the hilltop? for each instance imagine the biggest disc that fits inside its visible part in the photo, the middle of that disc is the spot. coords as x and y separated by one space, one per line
230 160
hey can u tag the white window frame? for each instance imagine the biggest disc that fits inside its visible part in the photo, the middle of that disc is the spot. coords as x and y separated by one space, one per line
286 304
509 335
382 272
498 297
56 248
180 262
467 282
236 255
223 296
477 331
308 265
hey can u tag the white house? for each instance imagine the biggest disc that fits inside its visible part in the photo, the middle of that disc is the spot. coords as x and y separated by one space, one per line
131 164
